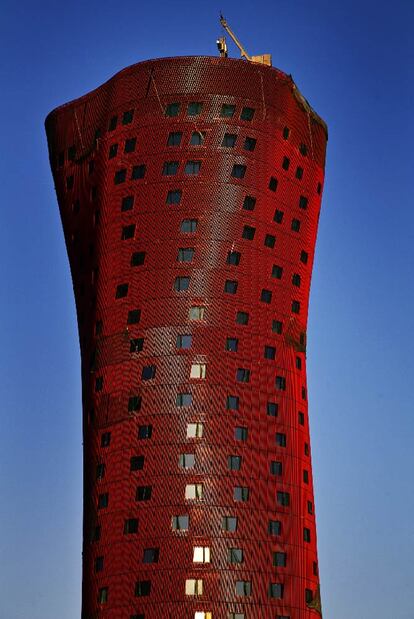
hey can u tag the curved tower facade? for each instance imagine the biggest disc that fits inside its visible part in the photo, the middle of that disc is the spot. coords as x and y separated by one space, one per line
189 191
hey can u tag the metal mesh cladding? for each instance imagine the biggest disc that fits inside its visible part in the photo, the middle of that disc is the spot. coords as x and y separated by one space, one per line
189 191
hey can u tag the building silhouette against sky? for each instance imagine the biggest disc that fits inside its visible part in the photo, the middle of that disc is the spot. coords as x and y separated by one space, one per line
189 191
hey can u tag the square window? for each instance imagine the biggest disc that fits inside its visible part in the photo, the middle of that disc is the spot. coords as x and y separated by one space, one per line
120 176
172 109
227 110
269 352
113 123
280 383
197 138
240 433
249 203
174 138
194 108
266 296
283 498
229 523
145 432
174 196
232 403
232 344
248 233
233 257
138 258
198 370
299 173
286 163
105 439
136 463
201 554
127 117
272 409
170 168
295 307
134 403
134 316
192 168
273 183
278 216
270 240
235 555
196 312
185 254
274 527
303 202
194 491
304 257
143 493
181 283
277 271
229 140
186 461
113 150
180 523
230 286
277 326
128 232
195 430
279 559
194 586
243 375
280 439
242 318
295 225
138 171
249 144
130 145
130 526
121 291
188 225
247 113
234 463
151 555
127 203
275 468
184 399
276 590
183 341
142 588
241 493
148 372
243 587
238 170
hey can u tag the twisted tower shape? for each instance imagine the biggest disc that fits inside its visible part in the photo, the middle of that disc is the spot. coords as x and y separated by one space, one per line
189 190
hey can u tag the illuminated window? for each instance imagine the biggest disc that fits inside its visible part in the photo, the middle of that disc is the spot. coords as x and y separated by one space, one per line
198 370
194 491
201 554
194 430
194 586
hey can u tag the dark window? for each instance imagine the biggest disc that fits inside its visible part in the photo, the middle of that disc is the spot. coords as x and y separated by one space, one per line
280 439
120 176
229 523
134 316
127 117
143 493
295 225
298 363
174 139
71 153
197 138
299 173
130 144
184 399
277 326
269 352
113 150
234 463
266 296
243 375
145 432
285 163
137 258
280 383
277 271
230 286
305 476
180 523
304 257
148 372
103 595
249 203
283 498
249 144
170 168
142 588
319 188
241 493
303 393
105 439
243 587
232 403
128 232
296 279
192 167
136 463
275 468
308 596
276 590
99 564
184 341
248 233
310 508
285 133
185 254
127 203
303 149
247 113
103 500
242 318
273 183
188 225
172 109
227 110
270 240
229 140
272 409
131 526
69 182
99 383
274 527
151 555
181 283
306 534
112 123
278 216
134 403
138 171
238 170
174 196
279 559
232 344
233 257
96 534
240 433
303 202
121 291
194 108
301 418
295 307
235 555
100 470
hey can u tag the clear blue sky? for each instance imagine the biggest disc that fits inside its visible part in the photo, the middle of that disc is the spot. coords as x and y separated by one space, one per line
354 62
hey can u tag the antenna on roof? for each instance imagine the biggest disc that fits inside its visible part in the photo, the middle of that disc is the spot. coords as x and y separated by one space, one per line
222 46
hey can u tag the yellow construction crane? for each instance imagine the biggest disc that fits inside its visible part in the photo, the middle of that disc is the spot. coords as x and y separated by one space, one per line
222 47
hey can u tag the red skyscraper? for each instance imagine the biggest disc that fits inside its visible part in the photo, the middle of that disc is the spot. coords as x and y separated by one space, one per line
189 191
